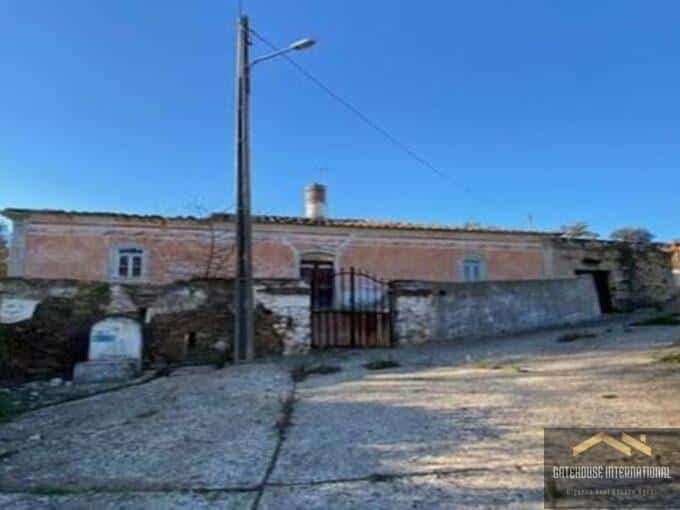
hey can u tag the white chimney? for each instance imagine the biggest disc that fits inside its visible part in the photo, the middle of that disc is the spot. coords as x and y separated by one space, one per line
315 201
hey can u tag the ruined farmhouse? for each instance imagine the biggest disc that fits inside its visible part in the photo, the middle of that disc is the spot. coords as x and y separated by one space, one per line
419 282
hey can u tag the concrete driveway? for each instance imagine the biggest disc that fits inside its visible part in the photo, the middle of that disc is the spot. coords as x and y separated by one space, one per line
454 426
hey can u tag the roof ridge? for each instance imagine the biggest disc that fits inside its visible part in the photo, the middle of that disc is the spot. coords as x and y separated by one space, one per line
16 213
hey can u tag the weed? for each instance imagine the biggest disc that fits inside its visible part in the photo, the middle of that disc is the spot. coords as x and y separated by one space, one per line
301 372
100 292
298 373
486 365
163 371
51 491
8 453
381 364
661 320
673 357
221 362
287 406
520 370
379 477
147 414
8 408
579 335
4 354
324 370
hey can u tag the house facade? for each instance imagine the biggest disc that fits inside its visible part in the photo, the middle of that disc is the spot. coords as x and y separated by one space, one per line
127 248
147 249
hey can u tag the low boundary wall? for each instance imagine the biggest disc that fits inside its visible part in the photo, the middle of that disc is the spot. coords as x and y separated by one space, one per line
427 311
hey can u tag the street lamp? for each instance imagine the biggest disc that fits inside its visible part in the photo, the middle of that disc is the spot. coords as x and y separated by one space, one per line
244 347
302 44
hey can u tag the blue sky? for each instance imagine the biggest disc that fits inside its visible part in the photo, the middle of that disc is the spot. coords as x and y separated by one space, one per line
563 110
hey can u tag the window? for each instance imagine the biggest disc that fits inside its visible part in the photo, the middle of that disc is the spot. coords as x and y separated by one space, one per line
128 263
473 269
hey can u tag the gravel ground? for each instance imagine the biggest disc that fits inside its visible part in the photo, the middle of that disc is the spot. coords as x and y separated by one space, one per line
453 426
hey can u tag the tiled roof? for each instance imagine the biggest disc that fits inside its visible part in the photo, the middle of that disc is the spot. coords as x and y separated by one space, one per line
16 213
279 220
395 225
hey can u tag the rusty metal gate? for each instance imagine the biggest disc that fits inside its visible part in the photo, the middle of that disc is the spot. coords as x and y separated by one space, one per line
350 308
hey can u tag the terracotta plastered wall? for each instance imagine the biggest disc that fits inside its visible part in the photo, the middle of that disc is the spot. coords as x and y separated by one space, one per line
442 262
85 251
64 255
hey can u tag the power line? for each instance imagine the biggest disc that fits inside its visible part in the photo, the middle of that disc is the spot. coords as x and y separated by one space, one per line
392 139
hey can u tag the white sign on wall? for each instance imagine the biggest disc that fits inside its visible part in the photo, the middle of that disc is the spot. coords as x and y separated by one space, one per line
16 309
116 338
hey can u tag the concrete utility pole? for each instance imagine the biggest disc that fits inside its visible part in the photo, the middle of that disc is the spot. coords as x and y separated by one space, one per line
244 346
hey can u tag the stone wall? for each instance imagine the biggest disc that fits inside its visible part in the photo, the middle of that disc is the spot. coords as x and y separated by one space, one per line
288 303
45 324
450 311
414 313
639 275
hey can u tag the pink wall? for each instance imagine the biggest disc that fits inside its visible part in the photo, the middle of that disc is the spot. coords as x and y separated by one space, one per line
83 253
87 258
423 262
63 256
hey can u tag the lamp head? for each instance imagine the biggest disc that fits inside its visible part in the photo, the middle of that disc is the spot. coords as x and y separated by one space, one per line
302 44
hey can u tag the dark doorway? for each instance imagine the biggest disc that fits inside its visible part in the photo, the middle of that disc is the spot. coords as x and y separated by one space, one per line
601 279
319 275
191 342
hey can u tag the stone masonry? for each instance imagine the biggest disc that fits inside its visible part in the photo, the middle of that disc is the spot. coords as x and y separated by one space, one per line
452 311
639 275
46 323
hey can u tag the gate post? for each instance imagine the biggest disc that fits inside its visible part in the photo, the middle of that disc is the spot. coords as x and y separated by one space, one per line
392 311
313 308
351 307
